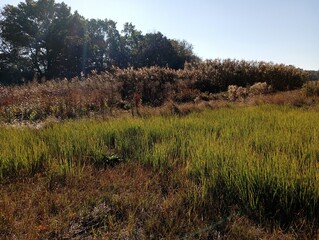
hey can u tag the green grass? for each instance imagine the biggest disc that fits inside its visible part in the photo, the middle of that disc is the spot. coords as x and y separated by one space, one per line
263 159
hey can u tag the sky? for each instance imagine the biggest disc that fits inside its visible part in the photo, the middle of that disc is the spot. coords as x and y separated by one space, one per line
280 31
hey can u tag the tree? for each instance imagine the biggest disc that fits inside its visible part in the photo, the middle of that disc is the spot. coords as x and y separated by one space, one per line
96 45
75 46
13 68
45 39
115 55
184 53
34 32
132 40
106 46
156 50
23 29
56 42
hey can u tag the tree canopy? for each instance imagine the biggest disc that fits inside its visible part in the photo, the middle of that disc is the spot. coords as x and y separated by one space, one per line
44 39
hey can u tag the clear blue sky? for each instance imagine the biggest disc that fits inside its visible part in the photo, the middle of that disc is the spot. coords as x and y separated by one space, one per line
281 31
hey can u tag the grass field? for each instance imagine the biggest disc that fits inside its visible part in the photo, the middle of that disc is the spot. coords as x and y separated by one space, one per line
260 162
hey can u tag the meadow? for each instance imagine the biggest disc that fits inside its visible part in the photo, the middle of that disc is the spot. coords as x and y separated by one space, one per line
259 163
213 151
108 134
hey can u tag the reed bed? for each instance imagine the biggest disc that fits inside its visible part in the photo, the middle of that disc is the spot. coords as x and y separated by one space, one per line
105 92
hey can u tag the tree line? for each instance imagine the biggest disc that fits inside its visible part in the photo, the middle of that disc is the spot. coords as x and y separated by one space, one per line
44 39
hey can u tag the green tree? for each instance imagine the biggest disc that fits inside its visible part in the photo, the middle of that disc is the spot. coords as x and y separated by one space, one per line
115 54
155 50
45 39
13 68
132 40
97 44
34 33
56 42
75 46
184 53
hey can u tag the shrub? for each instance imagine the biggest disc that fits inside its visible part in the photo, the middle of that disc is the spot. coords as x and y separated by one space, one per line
153 83
235 92
232 92
311 88
217 75
260 88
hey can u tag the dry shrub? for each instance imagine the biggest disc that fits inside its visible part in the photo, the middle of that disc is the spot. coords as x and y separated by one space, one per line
216 75
232 89
154 83
260 88
171 108
60 98
185 95
292 98
104 92
235 92
311 88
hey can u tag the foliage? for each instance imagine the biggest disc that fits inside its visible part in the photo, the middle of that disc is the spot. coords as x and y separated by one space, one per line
44 39
32 34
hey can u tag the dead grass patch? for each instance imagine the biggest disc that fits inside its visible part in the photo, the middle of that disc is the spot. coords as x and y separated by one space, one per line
128 201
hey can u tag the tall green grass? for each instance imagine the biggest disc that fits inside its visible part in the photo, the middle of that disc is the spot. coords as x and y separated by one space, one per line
264 159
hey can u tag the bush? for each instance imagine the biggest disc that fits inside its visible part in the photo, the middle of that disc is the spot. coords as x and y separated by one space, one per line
235 92
311 88
217 75
153 83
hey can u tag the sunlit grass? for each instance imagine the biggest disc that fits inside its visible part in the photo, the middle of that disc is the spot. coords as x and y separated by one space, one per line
265 158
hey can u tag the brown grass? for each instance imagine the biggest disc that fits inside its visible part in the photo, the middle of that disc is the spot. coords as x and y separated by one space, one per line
291 98
128 201
296 98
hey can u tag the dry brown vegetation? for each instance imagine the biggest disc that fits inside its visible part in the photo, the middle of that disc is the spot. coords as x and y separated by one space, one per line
128 201
110 91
